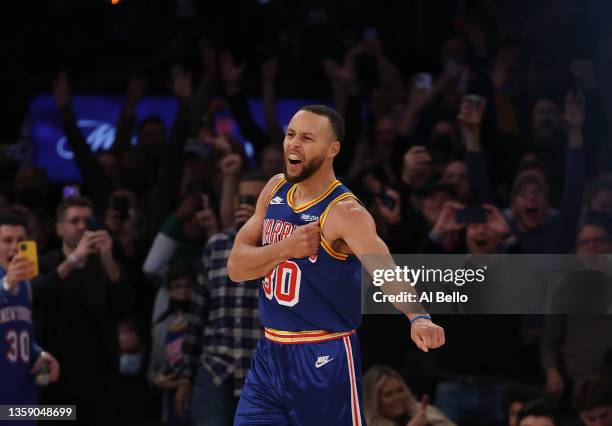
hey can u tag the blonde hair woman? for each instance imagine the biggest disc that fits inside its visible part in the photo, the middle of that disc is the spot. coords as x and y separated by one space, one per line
389 402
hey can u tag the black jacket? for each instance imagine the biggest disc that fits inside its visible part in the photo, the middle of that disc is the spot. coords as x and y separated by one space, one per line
76 320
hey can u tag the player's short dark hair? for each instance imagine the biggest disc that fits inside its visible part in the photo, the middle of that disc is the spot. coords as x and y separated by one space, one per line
592 392
12 218
541 407
335 120
66 203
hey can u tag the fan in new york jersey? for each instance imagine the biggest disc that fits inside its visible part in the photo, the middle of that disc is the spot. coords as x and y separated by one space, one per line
20 357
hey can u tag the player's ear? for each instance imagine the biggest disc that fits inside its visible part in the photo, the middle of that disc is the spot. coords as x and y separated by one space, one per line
334 149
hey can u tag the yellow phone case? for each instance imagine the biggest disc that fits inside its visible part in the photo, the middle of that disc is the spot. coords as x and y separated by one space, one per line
28 250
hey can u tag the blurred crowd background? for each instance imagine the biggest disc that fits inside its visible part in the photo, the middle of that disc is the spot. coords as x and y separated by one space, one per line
503 105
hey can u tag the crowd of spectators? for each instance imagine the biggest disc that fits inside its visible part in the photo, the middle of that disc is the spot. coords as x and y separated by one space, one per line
133 297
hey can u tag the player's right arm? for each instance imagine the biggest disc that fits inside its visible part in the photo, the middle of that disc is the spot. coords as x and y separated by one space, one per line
250 260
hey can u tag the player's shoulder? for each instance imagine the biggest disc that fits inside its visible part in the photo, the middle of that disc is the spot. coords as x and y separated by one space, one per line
349 210
349 207
276 180
269 189
349 204
272 186
345 218
274 183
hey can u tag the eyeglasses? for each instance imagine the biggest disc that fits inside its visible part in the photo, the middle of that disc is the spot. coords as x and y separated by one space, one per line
77 219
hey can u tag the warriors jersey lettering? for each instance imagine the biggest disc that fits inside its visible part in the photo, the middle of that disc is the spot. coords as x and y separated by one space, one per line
319 292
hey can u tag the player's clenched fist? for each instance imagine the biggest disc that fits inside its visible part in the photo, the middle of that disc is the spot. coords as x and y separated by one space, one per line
426 334
304 241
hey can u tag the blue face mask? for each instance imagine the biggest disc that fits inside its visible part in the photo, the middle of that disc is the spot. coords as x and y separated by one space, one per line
129 364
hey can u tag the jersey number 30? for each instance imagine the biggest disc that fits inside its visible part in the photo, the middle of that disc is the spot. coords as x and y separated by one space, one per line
283 283
18 346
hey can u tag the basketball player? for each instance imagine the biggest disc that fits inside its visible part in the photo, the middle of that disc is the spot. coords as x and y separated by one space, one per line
307 238
20 357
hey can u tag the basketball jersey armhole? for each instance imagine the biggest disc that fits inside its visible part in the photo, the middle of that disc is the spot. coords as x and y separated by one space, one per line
275 189
326 244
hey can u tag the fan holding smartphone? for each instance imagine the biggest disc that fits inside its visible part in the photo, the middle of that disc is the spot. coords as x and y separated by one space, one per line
23 364
486 229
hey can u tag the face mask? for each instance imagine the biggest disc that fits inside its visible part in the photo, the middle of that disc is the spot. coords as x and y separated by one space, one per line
129 364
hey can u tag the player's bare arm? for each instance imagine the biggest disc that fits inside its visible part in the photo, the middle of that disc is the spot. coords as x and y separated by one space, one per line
250 260
349 227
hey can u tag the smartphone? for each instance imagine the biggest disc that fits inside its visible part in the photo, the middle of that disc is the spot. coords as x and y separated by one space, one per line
250 200
386 200
121 204
423 81
93 225
71 191
471 215
28 250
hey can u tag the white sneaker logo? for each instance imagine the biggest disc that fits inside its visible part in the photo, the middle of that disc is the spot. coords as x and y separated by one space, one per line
276 200
322 360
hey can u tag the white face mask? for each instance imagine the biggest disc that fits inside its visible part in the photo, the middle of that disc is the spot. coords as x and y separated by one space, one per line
129 364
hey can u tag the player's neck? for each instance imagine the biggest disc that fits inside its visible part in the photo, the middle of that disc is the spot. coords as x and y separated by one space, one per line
313 186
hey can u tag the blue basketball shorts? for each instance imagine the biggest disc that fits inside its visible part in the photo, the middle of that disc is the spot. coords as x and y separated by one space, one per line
302 379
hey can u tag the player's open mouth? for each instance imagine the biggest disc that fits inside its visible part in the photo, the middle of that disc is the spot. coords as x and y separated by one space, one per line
294 159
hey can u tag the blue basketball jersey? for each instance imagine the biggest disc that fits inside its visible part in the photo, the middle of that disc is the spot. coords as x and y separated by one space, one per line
320 292
17 348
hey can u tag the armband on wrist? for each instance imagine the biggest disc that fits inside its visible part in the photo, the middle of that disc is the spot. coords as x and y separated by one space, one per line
419 317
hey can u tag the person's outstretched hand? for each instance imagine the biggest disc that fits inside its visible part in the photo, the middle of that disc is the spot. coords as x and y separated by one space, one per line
426 335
